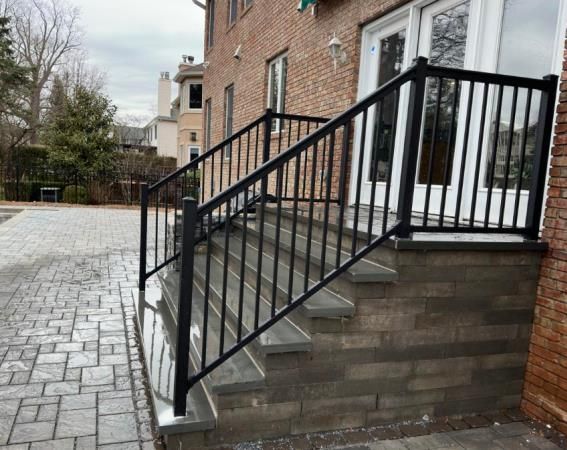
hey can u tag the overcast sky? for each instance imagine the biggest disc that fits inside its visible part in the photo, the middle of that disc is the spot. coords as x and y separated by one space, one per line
132 41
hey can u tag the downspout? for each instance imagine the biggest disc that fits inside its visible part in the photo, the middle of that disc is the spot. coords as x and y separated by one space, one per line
199 4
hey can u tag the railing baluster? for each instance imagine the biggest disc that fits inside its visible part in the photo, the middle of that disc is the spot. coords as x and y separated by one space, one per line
224 276
166 221
238 159
287 165
361 153
494 153
522 158
342 191
242 266
305 165
310 217
373 170
207 291
143 234
390 161
293 228
464 154
279 182
329 178
479 153
432 152
448 153
508 156
156 249
322 171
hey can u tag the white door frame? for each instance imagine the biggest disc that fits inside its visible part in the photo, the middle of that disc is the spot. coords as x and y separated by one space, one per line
482 55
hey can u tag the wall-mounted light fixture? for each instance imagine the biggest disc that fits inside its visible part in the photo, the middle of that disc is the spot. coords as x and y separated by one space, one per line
336 51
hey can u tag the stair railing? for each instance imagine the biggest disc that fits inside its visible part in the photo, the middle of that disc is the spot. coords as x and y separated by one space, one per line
370 125
207 175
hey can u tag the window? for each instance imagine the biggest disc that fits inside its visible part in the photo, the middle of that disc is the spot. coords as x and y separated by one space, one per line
232 11
211 27
228 115
194 152
195 96
248 3
155 131
193 136
277 78
208 124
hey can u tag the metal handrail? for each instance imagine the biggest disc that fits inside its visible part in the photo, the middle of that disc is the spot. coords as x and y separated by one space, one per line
377 229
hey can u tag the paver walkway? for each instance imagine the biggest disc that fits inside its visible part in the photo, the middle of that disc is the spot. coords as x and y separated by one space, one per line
69 371
70 375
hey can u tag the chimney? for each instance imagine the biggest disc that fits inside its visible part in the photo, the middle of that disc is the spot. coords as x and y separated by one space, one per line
187 62
164 94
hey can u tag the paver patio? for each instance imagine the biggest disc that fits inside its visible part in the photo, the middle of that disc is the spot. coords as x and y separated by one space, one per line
69 371
70 376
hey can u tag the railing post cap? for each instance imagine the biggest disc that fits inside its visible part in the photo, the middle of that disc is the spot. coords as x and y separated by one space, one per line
420 60
189 200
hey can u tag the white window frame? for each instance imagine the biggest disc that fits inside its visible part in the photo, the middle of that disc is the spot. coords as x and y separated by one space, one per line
232 20
189 96
227 153
280 106
193 147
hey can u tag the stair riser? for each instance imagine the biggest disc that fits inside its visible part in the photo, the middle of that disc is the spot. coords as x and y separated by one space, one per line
382 255
342 285
250 277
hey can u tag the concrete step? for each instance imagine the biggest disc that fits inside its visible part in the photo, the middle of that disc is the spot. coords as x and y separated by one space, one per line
282 337
240 372
323 303
384 254
364 271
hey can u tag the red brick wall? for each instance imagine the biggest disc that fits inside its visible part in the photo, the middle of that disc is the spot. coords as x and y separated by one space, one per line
545 388
269 28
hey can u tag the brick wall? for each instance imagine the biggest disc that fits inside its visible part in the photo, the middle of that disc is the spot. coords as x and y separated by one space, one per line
545 388
269 28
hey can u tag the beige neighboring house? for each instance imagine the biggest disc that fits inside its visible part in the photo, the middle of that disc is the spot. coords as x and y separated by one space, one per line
190 105
161 131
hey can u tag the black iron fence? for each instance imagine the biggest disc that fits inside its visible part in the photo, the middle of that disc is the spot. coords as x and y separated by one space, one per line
43 182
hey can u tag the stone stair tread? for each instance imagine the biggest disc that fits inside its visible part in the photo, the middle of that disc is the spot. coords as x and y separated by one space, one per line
323 303
282 337
238 373
363 271
160 366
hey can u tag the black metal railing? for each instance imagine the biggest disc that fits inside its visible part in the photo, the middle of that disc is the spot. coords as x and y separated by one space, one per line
207 175
435 190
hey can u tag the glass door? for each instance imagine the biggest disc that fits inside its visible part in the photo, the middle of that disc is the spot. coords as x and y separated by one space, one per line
386 57
445 40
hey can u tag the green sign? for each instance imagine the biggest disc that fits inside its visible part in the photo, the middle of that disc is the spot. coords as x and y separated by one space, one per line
303 4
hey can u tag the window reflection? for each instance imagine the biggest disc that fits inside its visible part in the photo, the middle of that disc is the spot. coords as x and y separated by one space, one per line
448 47
526 49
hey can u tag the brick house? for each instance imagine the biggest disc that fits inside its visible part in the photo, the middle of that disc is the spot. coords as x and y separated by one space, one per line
365 244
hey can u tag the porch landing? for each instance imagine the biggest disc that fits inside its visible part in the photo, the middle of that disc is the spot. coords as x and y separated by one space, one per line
434 241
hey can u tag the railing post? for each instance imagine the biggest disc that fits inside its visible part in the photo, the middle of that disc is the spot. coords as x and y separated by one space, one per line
543 142
143 234
181 384
18 182
411 147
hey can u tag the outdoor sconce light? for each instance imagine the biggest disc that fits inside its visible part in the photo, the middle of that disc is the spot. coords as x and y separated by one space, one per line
336 51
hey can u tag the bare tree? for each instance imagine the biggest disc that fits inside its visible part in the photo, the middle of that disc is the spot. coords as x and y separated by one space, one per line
45 33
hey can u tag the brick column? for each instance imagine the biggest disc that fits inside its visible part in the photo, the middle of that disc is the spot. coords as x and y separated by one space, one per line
545 387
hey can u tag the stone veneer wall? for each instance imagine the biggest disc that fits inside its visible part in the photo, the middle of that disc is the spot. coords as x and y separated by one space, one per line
450 337
545 389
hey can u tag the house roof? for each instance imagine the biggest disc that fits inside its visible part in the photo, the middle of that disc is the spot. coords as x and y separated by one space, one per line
193 71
